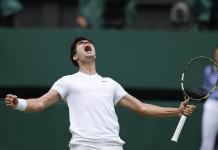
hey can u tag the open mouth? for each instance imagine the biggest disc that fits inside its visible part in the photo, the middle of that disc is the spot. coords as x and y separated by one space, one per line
88 48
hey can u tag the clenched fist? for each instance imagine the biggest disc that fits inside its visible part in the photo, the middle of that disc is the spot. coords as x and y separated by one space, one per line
11 101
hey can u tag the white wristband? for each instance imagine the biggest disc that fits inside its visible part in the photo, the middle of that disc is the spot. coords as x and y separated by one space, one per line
22 104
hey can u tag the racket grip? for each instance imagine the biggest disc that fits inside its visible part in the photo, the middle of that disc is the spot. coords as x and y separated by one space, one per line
179 128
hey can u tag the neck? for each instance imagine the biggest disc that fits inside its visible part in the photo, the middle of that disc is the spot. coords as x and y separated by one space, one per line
88 68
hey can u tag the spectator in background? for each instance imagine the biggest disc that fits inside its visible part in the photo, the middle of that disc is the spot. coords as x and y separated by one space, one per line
8 11
180 14
214 16
210 119
205 13
106 13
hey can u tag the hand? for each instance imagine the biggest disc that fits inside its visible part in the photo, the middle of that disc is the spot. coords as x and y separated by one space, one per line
11 101
186 109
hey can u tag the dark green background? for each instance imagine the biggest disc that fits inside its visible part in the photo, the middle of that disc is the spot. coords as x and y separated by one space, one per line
137 59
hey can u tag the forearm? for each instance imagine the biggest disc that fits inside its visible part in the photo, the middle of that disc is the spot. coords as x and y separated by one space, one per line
34 105
146 109
43 102
157 111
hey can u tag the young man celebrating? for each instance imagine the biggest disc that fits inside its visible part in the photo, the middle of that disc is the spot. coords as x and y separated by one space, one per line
91 99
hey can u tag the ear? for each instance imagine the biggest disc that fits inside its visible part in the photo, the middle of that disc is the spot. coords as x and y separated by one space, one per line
75 57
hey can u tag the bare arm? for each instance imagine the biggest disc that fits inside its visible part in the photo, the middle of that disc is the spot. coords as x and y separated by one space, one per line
35 104
153 110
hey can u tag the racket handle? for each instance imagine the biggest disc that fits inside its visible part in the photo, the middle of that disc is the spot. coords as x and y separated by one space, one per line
179 128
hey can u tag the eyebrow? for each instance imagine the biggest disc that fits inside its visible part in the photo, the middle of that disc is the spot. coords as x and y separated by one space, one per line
83 41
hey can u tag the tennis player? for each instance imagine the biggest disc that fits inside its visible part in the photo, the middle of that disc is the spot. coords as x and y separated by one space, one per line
91 99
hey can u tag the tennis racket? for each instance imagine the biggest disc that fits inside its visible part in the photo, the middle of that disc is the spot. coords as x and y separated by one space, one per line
192 85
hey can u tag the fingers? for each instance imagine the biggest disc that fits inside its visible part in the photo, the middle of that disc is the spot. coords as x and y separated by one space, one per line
189 109
186 108
11 100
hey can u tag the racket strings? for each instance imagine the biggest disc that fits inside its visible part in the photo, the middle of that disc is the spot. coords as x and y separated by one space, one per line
194 78
197 93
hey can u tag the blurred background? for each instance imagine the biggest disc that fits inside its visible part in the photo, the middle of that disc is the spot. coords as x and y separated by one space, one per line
142 44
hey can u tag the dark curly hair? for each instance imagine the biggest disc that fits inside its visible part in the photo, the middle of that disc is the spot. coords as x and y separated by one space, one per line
73 48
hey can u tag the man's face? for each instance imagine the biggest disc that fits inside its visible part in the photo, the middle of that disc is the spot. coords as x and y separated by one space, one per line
85 51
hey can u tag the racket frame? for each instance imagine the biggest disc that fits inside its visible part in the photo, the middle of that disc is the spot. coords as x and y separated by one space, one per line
183 76
183 117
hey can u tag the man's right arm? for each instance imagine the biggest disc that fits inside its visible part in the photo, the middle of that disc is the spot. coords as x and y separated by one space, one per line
34 104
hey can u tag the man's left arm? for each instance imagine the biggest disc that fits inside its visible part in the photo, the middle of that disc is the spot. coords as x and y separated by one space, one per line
145 109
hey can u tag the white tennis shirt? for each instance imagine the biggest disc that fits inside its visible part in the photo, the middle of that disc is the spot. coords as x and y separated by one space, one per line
91 100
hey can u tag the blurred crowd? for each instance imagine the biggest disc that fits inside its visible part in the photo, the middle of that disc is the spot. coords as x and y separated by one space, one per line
119 14
202 13
106 13
8 11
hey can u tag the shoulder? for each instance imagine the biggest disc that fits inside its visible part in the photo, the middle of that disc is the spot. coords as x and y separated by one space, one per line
68 77
107 79
110 80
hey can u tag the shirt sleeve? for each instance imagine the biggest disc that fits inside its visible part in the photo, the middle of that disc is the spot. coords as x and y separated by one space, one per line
61 87
119 92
